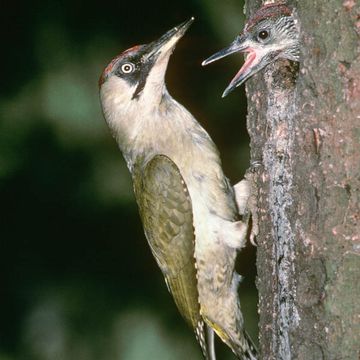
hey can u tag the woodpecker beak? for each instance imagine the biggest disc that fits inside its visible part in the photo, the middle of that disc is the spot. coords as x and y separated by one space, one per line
253 61
237 45
155 59
168 41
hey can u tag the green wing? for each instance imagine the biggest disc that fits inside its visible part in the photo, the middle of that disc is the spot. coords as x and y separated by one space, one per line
166 213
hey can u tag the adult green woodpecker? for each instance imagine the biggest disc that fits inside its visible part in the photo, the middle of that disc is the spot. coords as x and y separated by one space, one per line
187 206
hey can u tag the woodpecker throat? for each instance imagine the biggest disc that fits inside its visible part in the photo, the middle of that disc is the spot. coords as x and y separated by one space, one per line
270 34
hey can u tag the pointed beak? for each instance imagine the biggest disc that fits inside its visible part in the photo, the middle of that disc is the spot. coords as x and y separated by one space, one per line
156 56
237 45
250 67
168 41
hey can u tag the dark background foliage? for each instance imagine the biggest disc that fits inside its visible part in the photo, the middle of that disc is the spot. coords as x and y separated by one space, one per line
77 278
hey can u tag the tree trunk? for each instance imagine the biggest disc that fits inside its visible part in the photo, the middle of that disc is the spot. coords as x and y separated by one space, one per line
303 120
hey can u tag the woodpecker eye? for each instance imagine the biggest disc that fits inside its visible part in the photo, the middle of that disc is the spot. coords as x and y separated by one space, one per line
127 68
263 34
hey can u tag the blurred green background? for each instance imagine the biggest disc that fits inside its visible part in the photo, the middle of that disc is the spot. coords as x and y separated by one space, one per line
77 279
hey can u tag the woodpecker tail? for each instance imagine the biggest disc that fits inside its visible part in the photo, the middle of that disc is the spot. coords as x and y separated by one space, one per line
205 336
248 350
210 342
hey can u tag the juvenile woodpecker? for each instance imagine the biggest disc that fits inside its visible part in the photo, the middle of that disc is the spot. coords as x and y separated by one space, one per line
270 34
188 208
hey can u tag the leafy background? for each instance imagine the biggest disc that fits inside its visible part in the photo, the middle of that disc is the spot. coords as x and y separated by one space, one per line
77 279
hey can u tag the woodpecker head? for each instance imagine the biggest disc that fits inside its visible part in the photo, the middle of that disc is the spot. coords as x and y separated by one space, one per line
269 34
133 85
139 72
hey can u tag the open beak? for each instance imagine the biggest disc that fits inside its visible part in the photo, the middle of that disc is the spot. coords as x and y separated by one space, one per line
168 41
251 66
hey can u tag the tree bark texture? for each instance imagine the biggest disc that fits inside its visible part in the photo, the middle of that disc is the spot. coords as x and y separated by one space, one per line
304 124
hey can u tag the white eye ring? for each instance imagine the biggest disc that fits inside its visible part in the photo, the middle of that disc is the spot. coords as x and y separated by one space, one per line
127 68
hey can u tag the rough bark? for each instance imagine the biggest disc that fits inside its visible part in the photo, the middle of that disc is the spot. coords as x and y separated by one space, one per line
303 120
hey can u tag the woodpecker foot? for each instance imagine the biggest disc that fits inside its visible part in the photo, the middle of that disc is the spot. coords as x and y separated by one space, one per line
233 234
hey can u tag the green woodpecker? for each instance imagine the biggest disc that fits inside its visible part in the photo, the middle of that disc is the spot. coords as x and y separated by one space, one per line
270 34
188 208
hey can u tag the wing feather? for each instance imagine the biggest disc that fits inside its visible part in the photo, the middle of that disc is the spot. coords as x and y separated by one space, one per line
166 212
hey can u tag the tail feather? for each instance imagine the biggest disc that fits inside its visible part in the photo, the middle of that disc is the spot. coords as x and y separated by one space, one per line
210 343
205 337
248 352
